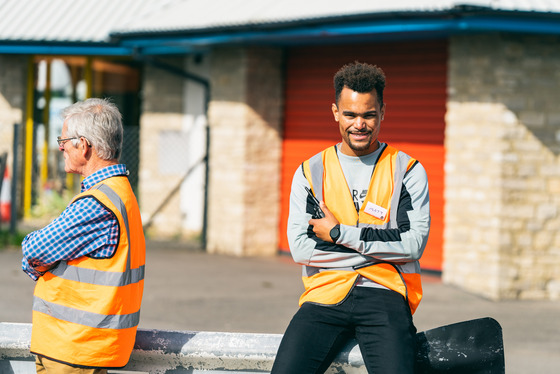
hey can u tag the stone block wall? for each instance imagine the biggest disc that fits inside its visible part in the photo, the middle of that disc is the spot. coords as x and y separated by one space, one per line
502 216
13 81
162 112
173 147
245 117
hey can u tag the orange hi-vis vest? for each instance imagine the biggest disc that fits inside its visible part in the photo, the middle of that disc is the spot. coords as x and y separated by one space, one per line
86 311
324 174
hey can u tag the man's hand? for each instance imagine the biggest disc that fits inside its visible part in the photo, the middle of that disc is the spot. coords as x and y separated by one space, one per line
42 268
322 226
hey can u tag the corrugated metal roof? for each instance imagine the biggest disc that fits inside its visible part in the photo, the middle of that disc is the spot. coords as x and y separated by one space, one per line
195 15
69 20
94 20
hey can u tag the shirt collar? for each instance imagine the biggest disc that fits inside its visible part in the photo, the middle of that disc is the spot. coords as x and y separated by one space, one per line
102 174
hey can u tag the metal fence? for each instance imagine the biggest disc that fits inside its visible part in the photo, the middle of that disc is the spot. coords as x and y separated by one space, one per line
130 153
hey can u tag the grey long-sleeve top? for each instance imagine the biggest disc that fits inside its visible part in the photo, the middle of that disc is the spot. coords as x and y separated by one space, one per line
404 244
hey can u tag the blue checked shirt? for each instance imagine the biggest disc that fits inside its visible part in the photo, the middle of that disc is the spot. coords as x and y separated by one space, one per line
84 228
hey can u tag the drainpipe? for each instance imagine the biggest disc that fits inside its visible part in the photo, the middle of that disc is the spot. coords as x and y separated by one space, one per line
206 84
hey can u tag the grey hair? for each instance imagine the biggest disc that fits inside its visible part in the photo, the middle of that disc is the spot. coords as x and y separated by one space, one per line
100 122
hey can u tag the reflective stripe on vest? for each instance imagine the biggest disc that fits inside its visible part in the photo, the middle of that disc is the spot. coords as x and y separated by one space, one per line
99 277
86 311
81 317
325 175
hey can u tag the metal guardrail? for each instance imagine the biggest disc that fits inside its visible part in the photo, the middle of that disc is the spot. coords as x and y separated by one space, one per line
473 347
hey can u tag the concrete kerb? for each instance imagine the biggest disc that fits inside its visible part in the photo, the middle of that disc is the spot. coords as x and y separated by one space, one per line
158 351
473 347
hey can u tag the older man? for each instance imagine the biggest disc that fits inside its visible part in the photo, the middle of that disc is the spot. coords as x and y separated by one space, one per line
89 262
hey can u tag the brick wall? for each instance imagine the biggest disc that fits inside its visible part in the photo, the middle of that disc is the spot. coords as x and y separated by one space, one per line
245 147
502 217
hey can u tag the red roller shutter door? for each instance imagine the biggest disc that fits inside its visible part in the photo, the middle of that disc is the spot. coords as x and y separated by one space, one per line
414 121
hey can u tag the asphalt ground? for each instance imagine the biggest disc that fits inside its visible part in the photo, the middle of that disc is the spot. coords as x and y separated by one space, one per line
188 289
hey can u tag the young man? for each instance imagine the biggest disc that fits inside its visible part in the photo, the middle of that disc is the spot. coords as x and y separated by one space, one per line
360 261
89 262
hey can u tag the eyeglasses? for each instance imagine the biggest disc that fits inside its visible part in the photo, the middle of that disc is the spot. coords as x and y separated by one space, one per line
61 141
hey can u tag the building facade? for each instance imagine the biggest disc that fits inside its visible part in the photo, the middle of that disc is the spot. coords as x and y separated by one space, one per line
223 128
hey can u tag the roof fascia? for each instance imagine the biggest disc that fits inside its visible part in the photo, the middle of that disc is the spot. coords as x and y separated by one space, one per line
319 34
392 26
60 48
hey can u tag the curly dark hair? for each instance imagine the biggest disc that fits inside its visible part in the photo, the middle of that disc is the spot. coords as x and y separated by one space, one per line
360 77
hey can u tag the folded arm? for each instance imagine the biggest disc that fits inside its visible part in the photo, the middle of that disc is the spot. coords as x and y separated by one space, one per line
84 228
311 245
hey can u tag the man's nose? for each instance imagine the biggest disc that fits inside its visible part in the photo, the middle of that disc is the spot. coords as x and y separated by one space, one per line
359 123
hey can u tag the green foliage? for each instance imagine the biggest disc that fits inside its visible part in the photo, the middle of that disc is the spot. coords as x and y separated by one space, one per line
9 240
51 204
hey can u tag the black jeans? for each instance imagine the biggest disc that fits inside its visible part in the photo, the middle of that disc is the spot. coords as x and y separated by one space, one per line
379 319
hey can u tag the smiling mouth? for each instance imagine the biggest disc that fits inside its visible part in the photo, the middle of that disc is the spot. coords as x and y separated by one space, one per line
360 135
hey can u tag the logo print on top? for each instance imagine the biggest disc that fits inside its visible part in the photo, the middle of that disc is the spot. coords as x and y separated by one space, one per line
358 198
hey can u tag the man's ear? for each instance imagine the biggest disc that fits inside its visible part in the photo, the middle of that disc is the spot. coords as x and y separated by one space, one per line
86 145
335 111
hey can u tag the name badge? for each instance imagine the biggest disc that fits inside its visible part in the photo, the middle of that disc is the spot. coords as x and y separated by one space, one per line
375 210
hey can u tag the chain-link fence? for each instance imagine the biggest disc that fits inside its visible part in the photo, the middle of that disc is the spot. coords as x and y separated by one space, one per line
130 154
